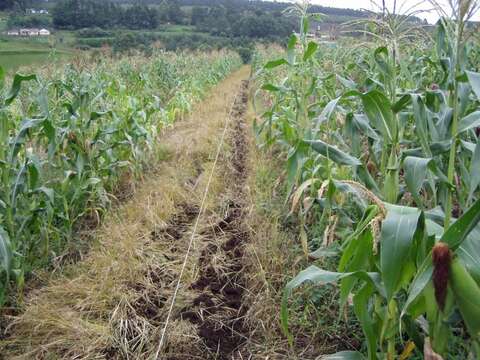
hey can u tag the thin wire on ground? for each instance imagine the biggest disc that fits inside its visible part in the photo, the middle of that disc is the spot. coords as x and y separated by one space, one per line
192 237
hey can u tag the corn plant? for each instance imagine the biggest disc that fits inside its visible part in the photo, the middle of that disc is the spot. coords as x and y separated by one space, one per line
67 140
369 148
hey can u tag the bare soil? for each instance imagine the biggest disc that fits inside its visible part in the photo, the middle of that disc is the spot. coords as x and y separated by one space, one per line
218 309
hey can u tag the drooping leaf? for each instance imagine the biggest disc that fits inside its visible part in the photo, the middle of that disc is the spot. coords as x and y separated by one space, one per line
421 123
318 276
361 122
344 355
381 58
292 42
311 49
326 112
379 112
2 77
396 239
474 171
459 230
16 85
270 87
401 103
415 173
48 192
274 63
474 79
349 84
467 296
5 253
360 306
469 122
469 253
420 281
333 153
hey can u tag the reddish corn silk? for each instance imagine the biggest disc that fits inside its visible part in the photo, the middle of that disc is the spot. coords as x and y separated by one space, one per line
442 258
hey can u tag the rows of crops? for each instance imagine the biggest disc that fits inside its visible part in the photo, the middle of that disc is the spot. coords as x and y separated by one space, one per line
69 138
381 137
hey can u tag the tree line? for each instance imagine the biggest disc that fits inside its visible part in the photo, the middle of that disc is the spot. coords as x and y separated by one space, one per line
77 14
218 19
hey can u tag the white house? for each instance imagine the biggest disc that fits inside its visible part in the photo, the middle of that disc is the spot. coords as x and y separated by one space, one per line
38 11
29 32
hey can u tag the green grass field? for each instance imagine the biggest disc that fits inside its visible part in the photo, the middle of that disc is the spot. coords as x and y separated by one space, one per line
18 52
13 60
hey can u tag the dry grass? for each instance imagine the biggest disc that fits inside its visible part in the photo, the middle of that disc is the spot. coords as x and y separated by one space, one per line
112 304
274 257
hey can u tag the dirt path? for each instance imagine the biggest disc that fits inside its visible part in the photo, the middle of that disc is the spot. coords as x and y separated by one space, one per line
113 304
218 309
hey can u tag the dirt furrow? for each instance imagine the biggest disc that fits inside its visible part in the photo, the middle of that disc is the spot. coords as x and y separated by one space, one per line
218 310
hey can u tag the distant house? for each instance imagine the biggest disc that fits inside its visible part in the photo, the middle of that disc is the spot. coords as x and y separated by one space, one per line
38 11
29 32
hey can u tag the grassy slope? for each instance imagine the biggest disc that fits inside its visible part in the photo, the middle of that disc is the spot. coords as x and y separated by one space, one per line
16 52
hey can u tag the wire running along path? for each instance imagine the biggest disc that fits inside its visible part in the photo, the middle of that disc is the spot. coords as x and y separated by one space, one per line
192 237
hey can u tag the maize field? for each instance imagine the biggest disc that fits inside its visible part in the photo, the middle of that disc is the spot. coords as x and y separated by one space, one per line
71 135
382 148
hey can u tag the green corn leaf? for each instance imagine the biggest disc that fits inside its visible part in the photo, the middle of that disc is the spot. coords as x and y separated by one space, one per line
5 253
311 49
469 122
379 112
2 78
436 148
25 126
474 172
360 306
454 237
275 63
48 192
365 176
333 153
415 173
292 42
421 122
344 355
467 296
326 113
474 79
401 103
396 239
319 276
349 84
459 230
420 281
270 87
356 256
381 58
17 83
361 121
469 253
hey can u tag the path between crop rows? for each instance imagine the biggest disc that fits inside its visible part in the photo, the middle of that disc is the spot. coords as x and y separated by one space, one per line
114 302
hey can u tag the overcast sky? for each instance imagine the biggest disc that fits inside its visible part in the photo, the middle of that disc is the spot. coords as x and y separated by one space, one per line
366 4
